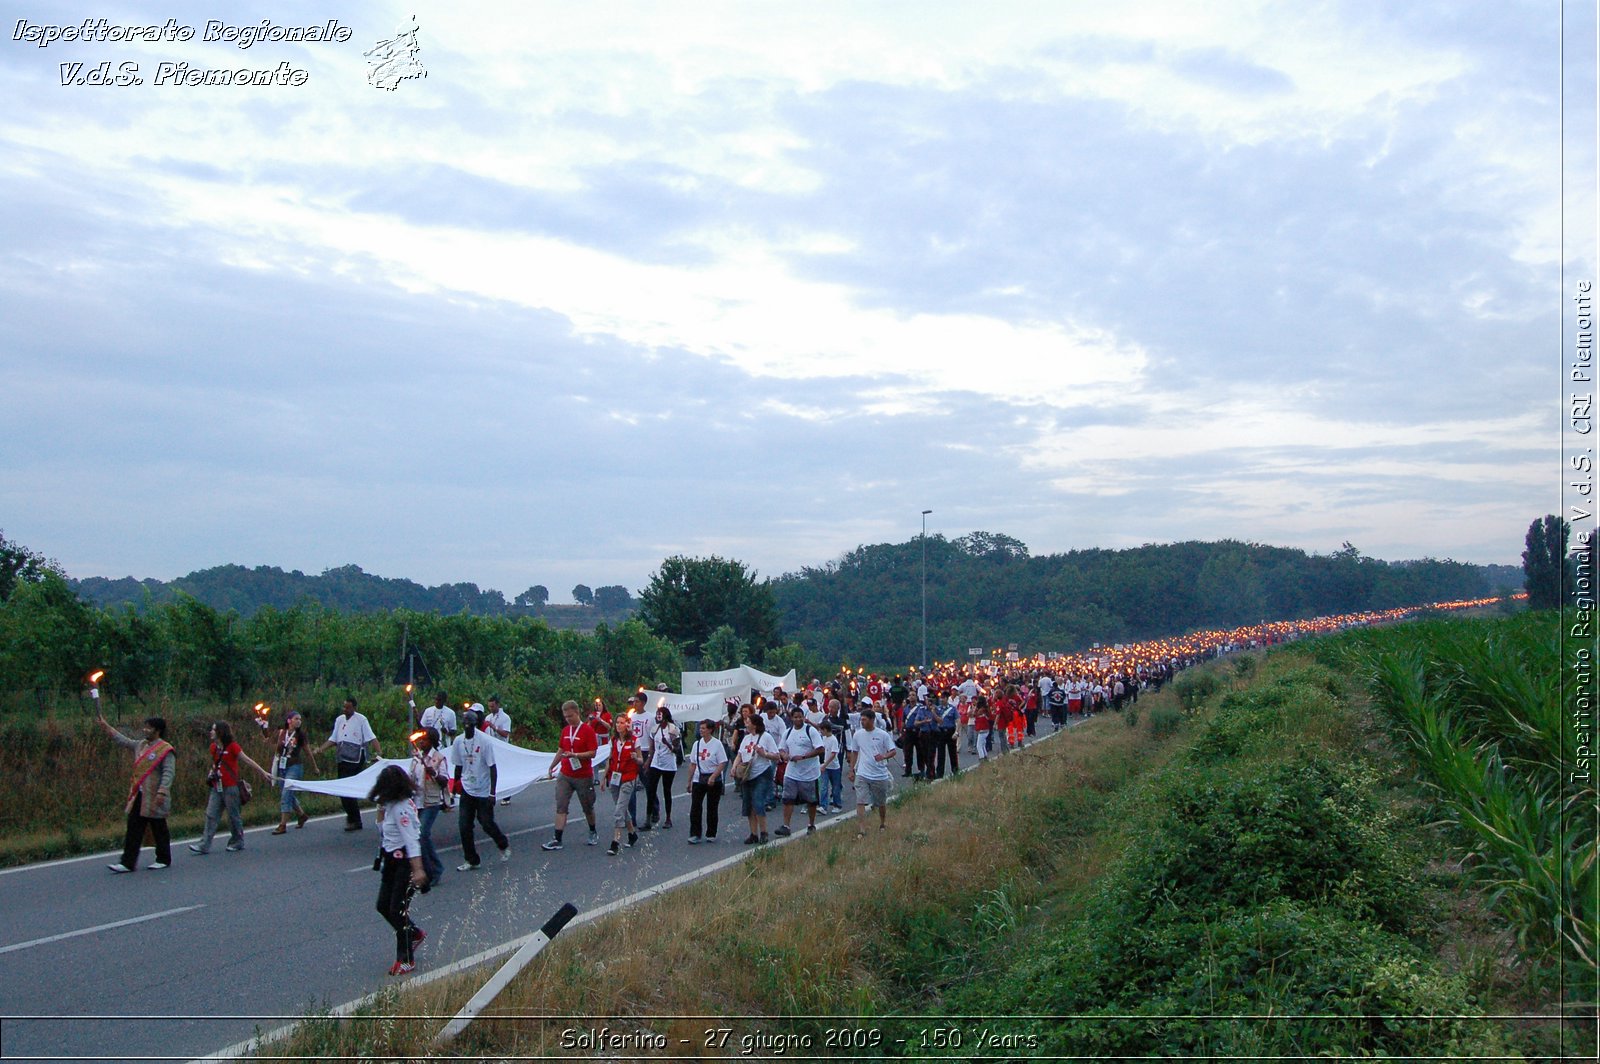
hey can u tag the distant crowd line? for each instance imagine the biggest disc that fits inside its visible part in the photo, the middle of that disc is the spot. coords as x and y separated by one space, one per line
791 749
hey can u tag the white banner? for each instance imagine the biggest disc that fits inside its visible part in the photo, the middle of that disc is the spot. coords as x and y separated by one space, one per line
741 683
518 769
688 708
728 682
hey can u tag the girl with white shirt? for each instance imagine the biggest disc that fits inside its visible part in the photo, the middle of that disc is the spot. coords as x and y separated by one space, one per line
400 836
708 760
665 744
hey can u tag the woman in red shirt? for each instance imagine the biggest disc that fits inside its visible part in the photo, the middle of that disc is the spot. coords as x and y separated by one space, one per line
982 724
223 781
622 780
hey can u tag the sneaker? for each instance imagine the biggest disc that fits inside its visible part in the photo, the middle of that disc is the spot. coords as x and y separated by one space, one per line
751 841
763 838
505 801
417 935
505 855
633 838
811 829
694 840
119 868
235 847
466 866
158 866
613 849
553 844
782 832
352 827
667 826
711 838
402 968
644 827
594 839
194 848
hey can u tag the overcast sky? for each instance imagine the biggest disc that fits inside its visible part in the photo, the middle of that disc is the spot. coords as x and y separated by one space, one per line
767 279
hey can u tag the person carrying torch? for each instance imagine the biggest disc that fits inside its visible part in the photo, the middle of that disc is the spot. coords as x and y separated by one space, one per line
150 792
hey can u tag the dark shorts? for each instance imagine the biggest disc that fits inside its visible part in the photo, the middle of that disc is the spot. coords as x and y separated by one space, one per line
801 791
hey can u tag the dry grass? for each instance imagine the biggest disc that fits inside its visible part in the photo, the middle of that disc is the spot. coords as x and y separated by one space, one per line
830 925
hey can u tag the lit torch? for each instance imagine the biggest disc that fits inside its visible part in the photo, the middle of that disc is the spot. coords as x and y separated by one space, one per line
94 679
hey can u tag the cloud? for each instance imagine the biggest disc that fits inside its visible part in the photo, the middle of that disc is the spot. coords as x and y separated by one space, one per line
749 280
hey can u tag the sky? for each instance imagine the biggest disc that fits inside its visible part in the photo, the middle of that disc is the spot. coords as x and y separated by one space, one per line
765 280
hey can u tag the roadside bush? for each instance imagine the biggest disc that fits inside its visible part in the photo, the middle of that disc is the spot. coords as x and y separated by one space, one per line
1164 720
1193 688
1300 979
1307 830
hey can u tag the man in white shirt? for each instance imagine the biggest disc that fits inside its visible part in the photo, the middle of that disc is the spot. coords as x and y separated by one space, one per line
354 737
871 750
801 751
441 718
477 776
497 722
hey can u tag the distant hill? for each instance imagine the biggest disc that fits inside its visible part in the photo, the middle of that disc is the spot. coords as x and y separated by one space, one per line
348 589
986 590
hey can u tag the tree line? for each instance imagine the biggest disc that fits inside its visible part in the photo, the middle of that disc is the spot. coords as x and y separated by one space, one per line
986 590
348 588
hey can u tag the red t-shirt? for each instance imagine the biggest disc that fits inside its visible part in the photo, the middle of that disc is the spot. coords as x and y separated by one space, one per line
577 741
228 760
600 721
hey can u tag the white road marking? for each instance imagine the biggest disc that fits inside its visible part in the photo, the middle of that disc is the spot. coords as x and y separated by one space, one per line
101 927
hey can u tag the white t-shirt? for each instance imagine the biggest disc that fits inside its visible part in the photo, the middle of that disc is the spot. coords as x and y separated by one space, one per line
777 726
475 757
399 828
868 745
968 687
798 743
498 724
662 759
830 752
441 717
708 756
747 748
352 729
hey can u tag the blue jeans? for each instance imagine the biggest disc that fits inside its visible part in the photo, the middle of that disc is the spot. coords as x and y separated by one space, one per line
831 789
430 856
288 800
758 793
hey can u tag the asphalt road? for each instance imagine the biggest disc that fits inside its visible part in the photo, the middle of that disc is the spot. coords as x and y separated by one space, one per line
180 963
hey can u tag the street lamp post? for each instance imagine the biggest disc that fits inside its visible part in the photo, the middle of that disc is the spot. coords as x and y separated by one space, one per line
925 514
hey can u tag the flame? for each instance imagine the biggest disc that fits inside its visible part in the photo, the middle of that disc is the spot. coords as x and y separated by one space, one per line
94 677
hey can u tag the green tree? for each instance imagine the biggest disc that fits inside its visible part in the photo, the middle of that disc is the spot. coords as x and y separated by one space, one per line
689 598
536 596
18 564
1544 562
722 650
583 595
612 598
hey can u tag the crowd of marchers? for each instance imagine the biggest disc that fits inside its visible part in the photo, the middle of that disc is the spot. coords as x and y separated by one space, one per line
835 743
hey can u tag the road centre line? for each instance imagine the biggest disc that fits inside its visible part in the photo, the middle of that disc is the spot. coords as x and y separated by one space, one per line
101 927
